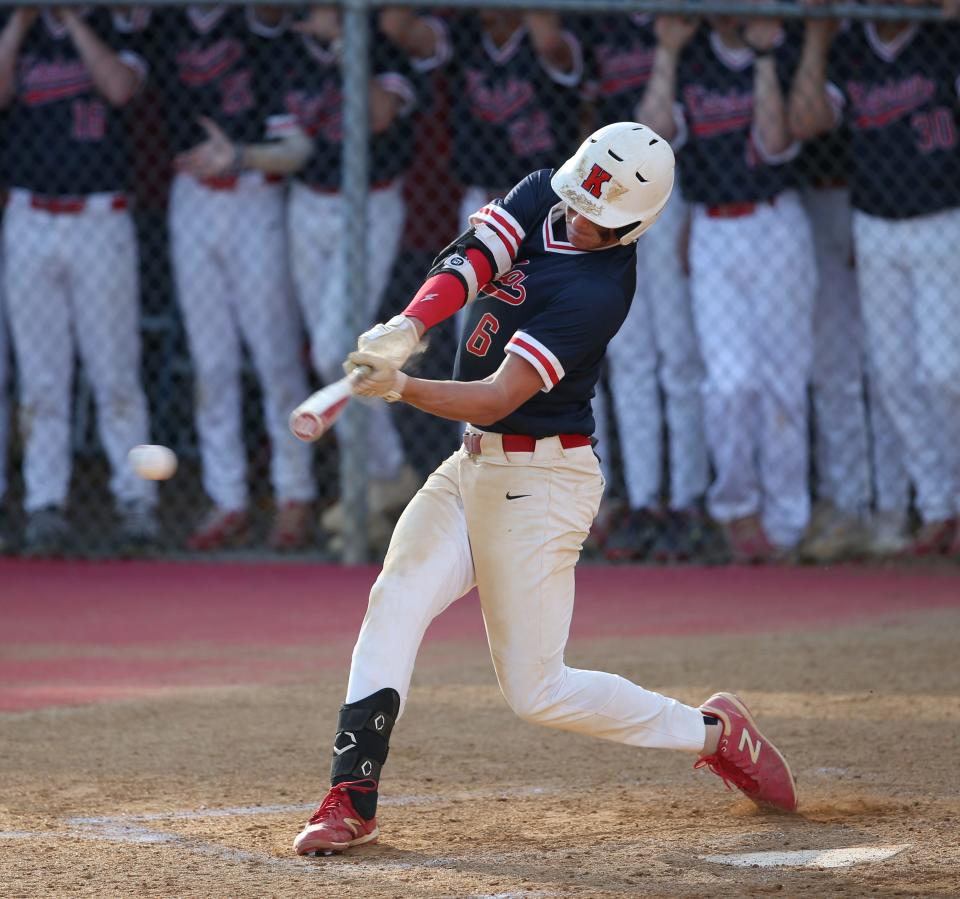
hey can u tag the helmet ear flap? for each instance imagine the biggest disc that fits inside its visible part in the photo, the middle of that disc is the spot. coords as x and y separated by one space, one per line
624 231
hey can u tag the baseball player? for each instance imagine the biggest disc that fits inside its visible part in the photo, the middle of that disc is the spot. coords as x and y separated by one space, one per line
515 91
71 255
229 253
657 345
308 96
4 418
719 93
549 275
846 437
895 86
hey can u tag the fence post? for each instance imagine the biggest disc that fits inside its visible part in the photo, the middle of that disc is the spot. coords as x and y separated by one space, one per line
353 442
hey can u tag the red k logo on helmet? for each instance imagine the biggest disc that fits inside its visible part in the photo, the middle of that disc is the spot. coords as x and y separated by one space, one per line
595 180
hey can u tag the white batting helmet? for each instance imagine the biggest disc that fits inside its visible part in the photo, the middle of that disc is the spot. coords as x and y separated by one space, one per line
620 178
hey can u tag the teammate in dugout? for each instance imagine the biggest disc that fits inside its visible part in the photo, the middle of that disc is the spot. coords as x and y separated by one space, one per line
896 85
549 275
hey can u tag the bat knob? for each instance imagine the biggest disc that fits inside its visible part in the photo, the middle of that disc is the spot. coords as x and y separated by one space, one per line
306 426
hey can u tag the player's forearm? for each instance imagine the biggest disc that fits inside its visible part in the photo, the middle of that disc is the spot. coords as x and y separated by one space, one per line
478 402
656 108
11 39
808 109
412 33
769 108
281 157
549 41
114 79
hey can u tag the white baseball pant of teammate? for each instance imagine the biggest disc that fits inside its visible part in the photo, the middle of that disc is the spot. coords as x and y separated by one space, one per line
72 281
658 345
753 280
229 252
908 271
527 605
846 439
4 393
318 255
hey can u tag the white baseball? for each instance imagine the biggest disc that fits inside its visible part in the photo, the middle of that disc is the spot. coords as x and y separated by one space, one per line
152 462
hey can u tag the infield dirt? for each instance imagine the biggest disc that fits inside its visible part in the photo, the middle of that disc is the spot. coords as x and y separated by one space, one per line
477 803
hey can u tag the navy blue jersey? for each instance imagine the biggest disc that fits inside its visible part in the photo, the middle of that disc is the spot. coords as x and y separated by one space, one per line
558 308
307 89
621 52
63 137
211 57
511 115
900 103
720 160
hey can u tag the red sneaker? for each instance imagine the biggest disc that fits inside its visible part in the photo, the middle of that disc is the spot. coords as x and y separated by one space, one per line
748 541
220 528
747 759
291 526
933 538
336 826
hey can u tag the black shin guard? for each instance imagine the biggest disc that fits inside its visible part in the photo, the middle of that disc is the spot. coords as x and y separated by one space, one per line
362 742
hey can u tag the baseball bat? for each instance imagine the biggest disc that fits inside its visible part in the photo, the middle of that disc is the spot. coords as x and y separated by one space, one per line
317 413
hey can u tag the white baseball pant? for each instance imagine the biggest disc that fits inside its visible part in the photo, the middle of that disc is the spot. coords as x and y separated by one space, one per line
72 284
318 253
229 255
753 280
4 391
845 442
657 345
908 271
459 531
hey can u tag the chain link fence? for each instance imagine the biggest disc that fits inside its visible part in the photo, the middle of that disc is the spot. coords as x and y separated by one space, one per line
187 254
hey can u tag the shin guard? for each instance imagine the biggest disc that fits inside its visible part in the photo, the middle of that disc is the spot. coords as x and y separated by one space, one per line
362 742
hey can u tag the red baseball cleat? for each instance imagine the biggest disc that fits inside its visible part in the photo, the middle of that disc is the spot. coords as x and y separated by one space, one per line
220 528
746 759
336 826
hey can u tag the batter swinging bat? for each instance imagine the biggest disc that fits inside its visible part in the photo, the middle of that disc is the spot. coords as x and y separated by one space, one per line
317 413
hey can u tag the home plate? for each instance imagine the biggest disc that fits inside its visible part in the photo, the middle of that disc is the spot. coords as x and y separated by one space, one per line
808 858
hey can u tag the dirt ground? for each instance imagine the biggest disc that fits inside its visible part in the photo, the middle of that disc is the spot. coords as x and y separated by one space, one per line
199 793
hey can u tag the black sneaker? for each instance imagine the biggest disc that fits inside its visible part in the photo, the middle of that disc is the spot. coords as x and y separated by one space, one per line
631 539
46 533
138 525
683 536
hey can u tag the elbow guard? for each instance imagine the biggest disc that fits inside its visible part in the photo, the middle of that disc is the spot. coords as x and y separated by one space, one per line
469 260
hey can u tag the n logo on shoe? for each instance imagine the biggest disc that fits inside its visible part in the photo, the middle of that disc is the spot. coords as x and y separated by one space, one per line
353 824
754 749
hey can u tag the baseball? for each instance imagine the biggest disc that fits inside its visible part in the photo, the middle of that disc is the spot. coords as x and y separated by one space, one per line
154 463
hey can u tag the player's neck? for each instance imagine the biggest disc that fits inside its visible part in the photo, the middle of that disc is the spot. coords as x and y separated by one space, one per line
890 31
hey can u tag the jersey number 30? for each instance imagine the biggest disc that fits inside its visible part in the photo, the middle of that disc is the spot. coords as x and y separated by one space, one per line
482 336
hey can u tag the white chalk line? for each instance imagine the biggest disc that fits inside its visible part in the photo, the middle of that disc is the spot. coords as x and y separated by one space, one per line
129 829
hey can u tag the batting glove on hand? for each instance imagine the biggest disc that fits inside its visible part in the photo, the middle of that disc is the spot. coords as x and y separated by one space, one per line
383 379
394 341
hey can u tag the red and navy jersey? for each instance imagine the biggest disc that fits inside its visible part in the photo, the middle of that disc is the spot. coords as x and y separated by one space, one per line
63 138
557 308
720 157
900 103
621 52
511 113
211 71
307 89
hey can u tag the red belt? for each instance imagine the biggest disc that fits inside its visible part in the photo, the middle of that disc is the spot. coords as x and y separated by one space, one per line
737 210
71 205
825 183
229 182
325 189
521 443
